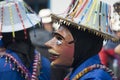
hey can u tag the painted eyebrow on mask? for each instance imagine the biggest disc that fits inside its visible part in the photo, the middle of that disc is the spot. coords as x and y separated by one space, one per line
57 34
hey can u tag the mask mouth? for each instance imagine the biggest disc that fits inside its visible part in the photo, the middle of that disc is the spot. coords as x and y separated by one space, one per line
53 54
59 66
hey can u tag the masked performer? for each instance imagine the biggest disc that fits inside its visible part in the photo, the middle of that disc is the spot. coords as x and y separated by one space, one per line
18 58
79 39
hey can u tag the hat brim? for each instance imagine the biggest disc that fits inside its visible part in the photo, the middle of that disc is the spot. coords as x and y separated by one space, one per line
65 21
30 21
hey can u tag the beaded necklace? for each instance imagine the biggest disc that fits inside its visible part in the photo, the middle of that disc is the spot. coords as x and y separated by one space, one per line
21 68
90 68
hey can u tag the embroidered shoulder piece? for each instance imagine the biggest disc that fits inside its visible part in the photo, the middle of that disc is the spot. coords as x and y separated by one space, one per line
21 68
95 66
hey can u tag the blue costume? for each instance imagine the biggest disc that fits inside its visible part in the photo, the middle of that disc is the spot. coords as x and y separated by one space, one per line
96 74
7 72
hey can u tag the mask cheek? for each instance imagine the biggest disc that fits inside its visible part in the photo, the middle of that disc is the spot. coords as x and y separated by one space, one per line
67 57
62 61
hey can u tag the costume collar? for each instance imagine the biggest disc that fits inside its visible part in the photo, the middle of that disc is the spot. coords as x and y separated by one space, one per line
93 60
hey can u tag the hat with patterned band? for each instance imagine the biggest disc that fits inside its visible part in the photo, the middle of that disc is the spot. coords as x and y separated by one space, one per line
15 15
91 15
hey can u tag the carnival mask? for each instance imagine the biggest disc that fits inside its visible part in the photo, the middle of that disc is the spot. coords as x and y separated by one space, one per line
61 47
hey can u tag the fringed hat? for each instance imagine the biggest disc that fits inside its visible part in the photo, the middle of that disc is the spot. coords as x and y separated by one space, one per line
91 15
116 17
15 15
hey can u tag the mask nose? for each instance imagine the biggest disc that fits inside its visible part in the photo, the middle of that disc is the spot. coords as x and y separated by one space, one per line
50 43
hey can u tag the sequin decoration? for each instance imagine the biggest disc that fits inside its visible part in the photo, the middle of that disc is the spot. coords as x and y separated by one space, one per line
16 65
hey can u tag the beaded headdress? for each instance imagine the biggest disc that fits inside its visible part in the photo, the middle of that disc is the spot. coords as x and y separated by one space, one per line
116 17
16 15
91 15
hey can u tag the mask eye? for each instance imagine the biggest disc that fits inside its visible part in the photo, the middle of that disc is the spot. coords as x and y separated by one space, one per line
58 37
58 42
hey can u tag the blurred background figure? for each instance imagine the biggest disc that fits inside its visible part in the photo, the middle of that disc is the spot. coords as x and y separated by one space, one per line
110 53
18 57
117 49
44 33
45 14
